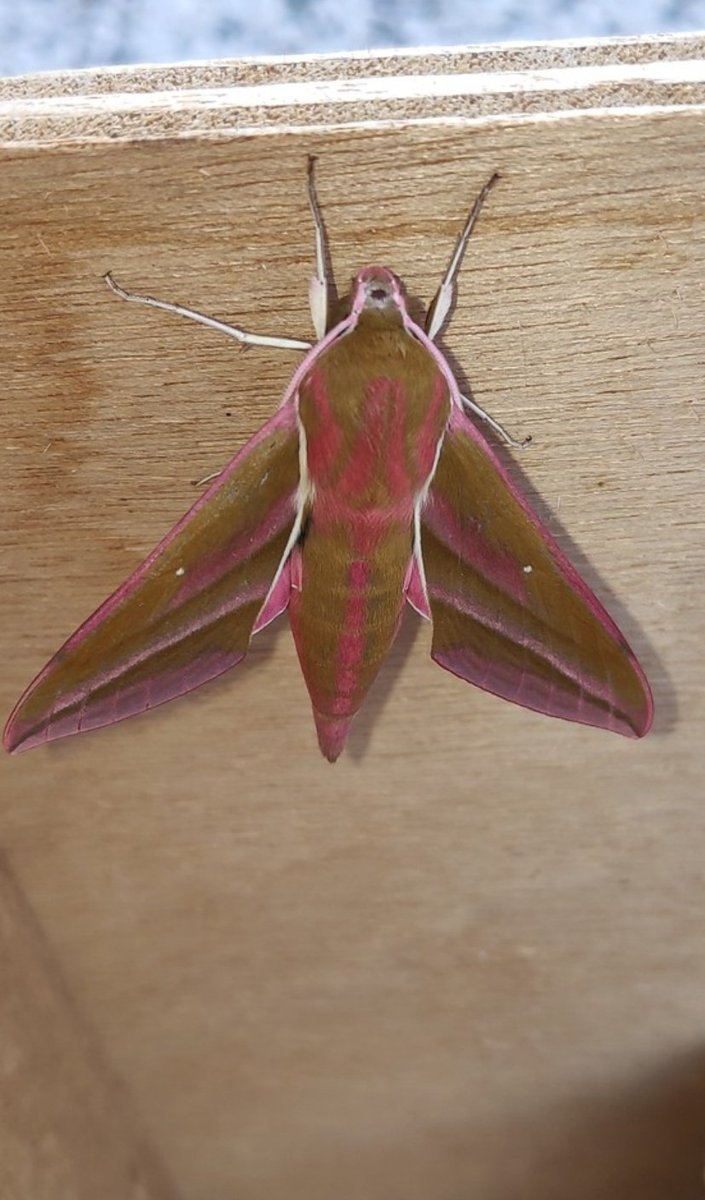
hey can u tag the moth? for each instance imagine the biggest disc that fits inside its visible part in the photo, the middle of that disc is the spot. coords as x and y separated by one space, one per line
372 486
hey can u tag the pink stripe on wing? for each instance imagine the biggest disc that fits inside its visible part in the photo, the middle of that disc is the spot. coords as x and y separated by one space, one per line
244 545
468 539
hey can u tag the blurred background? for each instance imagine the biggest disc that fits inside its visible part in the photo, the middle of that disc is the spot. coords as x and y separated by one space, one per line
41 35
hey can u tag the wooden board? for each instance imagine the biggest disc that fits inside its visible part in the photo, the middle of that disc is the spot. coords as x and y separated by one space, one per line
68 1128
467 960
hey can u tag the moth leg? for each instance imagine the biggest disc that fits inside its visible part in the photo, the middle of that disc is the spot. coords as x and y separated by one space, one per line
240 335
501 432
444 297
208 478
318 289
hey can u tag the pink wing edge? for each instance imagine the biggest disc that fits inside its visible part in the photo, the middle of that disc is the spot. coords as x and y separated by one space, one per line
416 590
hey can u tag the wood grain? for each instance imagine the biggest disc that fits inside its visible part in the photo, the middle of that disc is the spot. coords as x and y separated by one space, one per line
468 960
67 1129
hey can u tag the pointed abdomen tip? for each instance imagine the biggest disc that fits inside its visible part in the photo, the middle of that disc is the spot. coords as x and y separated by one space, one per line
332 734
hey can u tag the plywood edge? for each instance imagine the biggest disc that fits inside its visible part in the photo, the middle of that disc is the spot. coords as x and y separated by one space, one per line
273 69
468 84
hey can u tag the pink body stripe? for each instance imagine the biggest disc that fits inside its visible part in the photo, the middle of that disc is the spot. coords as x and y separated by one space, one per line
351 644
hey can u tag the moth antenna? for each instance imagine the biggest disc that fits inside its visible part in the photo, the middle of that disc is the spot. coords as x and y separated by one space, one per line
444 297
322 287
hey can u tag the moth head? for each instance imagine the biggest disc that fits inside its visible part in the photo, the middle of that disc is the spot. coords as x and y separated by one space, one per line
377 289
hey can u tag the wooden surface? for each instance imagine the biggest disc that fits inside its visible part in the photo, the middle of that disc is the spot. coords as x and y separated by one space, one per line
67 1127
468 960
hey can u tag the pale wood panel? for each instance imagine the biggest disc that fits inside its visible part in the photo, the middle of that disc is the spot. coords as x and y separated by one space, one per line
468 960
67 1130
